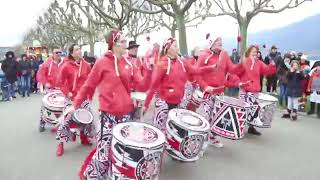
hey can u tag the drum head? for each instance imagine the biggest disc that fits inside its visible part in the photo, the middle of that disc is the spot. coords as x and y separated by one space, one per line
54 100
83 116
233 101
189 120
141 96
266 97
138 135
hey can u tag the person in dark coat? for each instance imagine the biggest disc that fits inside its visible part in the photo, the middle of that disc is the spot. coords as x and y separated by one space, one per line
282 73
89 58
272 79
294 91
25 69
10 69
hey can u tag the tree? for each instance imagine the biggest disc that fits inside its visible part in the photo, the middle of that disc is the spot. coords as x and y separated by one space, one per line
141 23
182 11
234 9
69 17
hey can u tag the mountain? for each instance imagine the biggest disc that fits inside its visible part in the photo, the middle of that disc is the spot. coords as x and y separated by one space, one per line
303 36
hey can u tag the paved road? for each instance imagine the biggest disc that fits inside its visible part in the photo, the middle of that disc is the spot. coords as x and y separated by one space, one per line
287 151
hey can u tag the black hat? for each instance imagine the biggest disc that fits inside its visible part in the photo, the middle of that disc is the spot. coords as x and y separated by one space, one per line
274 47
133 44
9 53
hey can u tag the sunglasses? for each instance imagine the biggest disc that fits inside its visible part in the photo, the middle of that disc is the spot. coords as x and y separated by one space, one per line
58 52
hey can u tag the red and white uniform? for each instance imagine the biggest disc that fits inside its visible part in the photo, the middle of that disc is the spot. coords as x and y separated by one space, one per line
168 80
114 78
251 71
48 72
73 76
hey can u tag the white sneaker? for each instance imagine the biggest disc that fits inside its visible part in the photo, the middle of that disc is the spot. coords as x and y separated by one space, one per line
216 143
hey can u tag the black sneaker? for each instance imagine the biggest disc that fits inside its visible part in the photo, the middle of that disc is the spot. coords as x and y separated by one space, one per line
310 113
14 97
253 131
41 129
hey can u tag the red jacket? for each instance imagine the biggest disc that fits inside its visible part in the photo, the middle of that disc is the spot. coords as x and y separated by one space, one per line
169 78
48 72
251 71
72 76
114 78
145 72
216 77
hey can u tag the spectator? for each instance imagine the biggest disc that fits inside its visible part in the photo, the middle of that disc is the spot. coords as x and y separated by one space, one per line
25 68
4 86
10 68
282 73
235 58
304 65
272 79
294 90
90 59
314 88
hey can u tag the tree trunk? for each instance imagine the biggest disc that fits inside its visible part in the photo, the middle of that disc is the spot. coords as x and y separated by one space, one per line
243 26
91 43
182 34
173 30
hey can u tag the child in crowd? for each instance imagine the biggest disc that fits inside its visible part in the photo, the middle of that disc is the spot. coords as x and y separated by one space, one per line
294 91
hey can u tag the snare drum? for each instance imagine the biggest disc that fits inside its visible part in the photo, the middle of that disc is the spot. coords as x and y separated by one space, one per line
197 97
262 109
229 116
53 104
136 151
187 134
82 116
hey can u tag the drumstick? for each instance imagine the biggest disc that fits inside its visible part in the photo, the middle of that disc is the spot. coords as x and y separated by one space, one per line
247 82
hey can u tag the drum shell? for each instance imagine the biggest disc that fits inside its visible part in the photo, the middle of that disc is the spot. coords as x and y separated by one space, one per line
197 97
127 160
229 117
266 107
179 136
52 112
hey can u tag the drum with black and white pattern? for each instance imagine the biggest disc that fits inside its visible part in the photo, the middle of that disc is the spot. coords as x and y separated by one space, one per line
136 151
187 135
53 104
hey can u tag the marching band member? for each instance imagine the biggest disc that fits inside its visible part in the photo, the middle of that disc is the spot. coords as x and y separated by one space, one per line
252 69
191 83
72 76
113 74
213 83
168 81
47 77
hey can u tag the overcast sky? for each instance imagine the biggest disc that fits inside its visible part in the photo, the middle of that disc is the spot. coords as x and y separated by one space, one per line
22 15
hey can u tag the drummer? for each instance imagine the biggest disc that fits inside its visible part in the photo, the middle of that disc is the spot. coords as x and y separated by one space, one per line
113 75
213 83
145 70
47 77
168 81
191 83
72 76
252 69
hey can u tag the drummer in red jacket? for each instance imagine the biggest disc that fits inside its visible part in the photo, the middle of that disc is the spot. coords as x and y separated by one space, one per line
113 76
168 81
213 83
47 76
73 74
252 69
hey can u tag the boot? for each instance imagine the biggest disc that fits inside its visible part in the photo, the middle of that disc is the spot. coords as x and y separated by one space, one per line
41 129
60 149
318 110
84 139
312 107
294 115
286 114
252 130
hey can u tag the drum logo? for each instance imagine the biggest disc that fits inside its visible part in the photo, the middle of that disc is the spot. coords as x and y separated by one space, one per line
148 167
191 146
